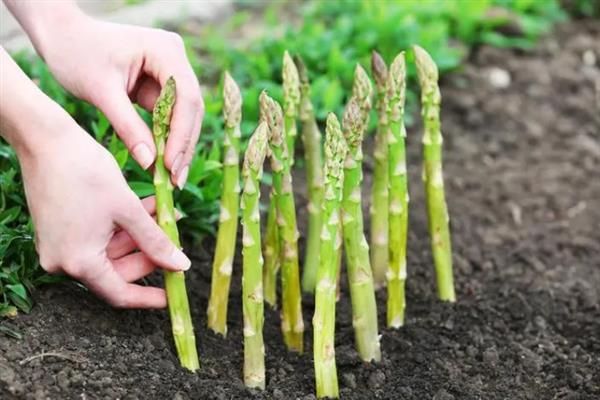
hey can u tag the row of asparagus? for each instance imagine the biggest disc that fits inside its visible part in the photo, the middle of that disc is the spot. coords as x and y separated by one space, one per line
335 214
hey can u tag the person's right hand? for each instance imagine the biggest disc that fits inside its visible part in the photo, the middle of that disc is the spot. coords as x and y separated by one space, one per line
89 223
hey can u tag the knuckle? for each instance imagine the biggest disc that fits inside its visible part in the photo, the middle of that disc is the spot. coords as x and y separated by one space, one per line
174 39
119 301
48 263
77 265
192 95
161 245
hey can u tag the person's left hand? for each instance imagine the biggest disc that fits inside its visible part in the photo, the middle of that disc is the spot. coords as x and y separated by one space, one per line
112 65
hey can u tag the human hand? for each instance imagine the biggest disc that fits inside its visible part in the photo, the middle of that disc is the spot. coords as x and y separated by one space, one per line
112 65
89 223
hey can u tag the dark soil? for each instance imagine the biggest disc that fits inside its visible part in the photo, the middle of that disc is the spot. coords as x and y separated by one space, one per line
523 183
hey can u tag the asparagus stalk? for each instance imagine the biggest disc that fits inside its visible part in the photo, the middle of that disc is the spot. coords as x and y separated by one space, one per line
311 137
252 287
398 193
179 310
437 210
291 101
324 317
379 192
292 324
272 251
228 219
364 308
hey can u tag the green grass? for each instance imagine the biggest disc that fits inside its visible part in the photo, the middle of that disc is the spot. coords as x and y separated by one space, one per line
331 36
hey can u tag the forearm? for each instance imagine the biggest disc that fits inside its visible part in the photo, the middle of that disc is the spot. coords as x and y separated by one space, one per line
38 18
25 111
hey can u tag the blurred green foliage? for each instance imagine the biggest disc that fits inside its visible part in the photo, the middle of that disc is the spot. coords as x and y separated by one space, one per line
331 36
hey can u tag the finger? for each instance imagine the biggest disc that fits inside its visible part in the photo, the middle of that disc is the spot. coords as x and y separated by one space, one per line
116 105
182 174
172 61
188 107
150 238
147 93
108 284
134 266
122 243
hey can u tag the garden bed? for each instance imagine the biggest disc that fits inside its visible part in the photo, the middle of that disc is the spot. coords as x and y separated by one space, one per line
523 189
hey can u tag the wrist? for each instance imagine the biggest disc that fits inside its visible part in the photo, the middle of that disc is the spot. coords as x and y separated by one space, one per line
41 21
46 123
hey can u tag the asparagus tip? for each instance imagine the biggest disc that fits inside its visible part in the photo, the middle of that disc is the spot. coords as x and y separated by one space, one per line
301 67
426 69
362 84
291 85
271 113
379 69
161 114
335 149
255 153
353 123
232 101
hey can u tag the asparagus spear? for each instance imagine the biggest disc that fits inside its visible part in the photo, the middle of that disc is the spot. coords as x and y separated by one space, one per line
292 324
437 210
291 102
291 97
228 220
398 193
364 308
252 288
379 192
324 317
311 137
272 251
179 310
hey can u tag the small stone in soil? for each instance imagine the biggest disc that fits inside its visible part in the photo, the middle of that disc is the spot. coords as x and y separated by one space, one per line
491 356
349 380
376 379
442 394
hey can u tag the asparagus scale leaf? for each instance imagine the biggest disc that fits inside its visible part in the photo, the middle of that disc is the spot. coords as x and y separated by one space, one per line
228 218
437 210
179 310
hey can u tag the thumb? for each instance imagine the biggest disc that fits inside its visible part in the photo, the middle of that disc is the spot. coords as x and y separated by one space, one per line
128 124
150 238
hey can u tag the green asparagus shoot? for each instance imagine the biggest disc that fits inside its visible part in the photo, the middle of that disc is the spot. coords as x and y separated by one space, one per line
252 287
379 189
437 210
179 310
228 219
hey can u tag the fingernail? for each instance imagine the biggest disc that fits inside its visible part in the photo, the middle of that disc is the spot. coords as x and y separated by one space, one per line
143 155
182 178
176 163
181 260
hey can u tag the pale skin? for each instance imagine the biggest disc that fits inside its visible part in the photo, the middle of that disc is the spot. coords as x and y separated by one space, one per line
88 223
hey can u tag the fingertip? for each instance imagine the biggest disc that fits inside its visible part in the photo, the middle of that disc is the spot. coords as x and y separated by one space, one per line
146 297
180 261
143 155
182 177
